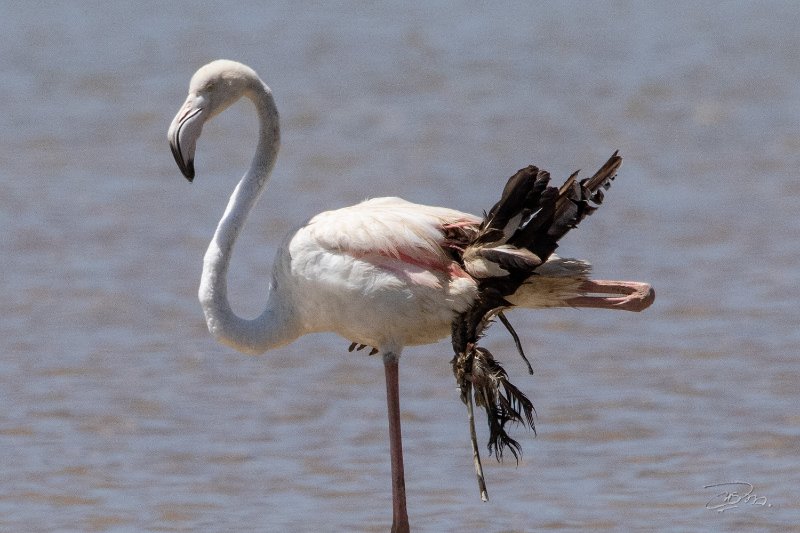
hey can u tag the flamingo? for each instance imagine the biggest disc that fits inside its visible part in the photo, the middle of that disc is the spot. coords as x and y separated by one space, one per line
387 273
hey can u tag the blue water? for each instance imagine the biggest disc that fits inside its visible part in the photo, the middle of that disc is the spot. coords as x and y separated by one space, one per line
118 412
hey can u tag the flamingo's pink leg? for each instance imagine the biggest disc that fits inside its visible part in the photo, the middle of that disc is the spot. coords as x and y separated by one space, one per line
399 511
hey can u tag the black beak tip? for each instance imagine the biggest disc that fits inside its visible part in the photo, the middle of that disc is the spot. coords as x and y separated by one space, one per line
188 171
187 167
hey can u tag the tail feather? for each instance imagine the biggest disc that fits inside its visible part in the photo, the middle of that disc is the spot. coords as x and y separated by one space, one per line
522 230
606 174
563 210
520 196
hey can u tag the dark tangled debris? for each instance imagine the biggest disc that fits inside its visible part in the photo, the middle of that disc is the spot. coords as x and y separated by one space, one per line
519 234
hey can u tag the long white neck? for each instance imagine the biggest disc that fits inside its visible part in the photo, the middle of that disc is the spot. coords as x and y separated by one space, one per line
274 327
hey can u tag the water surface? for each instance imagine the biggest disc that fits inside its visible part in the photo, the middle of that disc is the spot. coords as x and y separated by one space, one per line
118 412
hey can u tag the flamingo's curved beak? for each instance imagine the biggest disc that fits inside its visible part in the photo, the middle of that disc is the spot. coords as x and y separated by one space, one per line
184 132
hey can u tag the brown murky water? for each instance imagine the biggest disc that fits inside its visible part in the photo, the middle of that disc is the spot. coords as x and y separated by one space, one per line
119 413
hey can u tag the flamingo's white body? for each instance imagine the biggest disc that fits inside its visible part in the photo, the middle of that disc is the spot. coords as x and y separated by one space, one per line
375 295
377 273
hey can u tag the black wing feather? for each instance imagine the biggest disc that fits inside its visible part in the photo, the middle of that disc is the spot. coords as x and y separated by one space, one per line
519 233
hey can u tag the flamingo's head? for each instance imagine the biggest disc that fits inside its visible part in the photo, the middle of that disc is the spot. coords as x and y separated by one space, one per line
214 87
